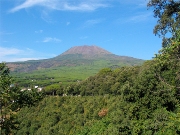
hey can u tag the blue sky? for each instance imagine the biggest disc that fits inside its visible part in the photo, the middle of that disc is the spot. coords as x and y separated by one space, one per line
40 29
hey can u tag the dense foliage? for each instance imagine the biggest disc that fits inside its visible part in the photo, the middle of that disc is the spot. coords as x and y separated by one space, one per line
168 14
129 100
71 115
11 100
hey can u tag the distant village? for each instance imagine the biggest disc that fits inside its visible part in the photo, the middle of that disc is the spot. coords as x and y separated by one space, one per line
36 87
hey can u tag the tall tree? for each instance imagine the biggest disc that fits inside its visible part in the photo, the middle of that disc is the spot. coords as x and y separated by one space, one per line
11 100
168 64
168 14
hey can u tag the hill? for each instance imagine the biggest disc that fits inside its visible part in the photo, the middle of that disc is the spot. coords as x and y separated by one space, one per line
78 55
77 63
124 101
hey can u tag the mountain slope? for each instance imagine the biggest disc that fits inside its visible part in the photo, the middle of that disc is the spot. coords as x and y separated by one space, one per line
75 56
86 50
74 65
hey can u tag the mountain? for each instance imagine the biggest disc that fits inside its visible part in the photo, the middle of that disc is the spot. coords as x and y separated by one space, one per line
73 65
75 56
86 51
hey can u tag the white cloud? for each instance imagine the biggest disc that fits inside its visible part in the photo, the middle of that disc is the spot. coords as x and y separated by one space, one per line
20 59
139 3
140 18
83 6
14 54
27 4
8 51
137 18
78 5
50 39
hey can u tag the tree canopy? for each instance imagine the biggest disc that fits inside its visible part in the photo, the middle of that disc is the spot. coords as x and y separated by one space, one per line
12 99
168 14
139 100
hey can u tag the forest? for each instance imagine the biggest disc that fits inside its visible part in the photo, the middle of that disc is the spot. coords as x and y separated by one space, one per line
130 100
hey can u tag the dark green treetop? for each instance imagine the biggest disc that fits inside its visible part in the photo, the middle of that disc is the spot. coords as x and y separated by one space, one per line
168 14
12 99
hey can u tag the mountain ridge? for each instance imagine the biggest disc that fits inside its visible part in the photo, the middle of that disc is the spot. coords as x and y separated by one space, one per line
75 56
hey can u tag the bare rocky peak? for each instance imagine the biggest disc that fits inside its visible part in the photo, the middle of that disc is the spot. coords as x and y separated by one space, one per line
86 50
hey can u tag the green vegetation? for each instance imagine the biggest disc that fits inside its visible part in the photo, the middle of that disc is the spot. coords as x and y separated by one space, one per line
168 14
70 115
45 77
77 70
138 100
12 100
119 99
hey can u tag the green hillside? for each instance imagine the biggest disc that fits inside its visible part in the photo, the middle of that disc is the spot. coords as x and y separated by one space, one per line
98 115
136 100
66 69
71 115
